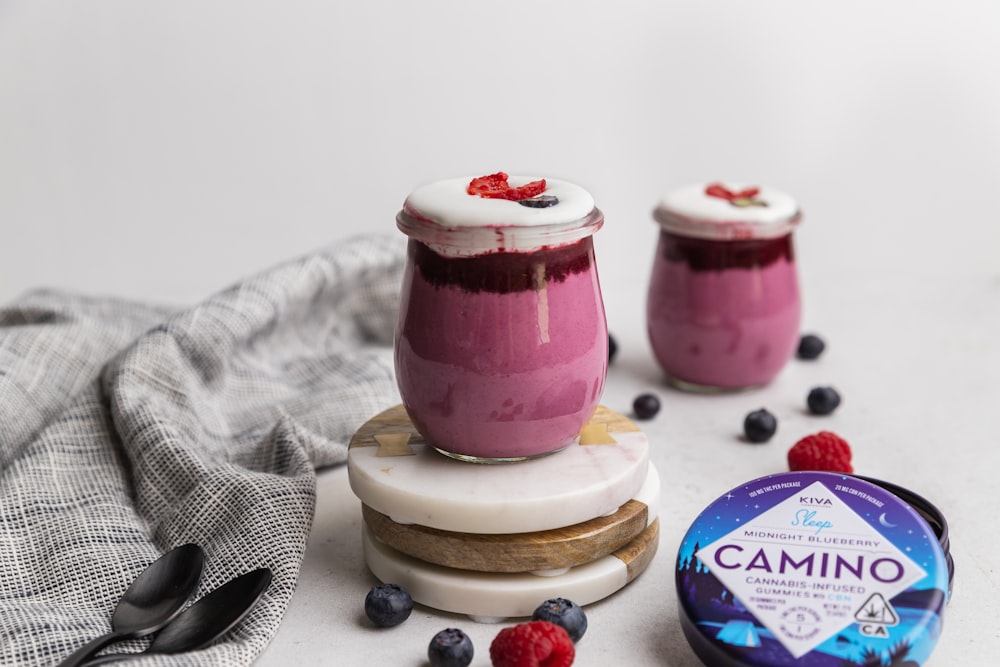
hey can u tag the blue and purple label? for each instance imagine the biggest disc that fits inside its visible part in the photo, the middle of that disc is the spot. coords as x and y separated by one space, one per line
818 569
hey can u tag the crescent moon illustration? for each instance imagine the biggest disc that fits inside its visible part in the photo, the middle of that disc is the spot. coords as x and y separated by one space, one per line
882 520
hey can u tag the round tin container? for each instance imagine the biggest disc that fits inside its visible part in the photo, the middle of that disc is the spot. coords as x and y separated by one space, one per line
814 568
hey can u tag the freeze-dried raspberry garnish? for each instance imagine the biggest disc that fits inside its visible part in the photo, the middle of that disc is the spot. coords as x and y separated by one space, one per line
722 192
495 186
487 186
534 644
821 451
526 191
741 198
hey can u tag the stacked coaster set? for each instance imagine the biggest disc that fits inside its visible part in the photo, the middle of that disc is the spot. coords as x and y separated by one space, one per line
493 541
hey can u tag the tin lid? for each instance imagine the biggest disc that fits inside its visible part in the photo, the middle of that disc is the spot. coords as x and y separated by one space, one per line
929 512
454 220
812 569
728 212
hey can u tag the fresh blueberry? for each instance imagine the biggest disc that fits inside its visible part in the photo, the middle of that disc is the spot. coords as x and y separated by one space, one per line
541 201
388 605
450 648
759 426
823 400
645 406
612 348
564 613
810 347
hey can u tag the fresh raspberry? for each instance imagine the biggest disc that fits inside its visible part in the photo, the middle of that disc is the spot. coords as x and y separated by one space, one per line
821 451
495 186
533 644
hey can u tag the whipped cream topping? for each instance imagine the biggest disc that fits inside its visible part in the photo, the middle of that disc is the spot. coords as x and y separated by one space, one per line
691 211
448 204
445 216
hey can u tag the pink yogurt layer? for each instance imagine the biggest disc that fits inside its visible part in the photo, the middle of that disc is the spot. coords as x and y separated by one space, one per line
497 358
723 314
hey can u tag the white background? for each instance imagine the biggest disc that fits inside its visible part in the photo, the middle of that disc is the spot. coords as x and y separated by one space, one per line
162 150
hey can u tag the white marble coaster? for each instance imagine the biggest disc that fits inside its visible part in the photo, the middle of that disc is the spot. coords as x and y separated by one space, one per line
487 597
394 471
523 552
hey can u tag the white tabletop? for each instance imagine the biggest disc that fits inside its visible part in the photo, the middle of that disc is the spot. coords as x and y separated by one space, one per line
915 359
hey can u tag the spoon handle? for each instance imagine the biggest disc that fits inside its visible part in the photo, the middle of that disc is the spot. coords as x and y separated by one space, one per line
81 655
112 657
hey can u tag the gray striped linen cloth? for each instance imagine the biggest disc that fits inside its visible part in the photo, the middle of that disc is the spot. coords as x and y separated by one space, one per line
128 429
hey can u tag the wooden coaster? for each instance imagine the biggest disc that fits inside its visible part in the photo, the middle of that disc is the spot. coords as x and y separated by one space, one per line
394 471
554 549
487 597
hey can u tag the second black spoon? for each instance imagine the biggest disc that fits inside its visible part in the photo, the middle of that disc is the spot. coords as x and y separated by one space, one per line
206 620
153 599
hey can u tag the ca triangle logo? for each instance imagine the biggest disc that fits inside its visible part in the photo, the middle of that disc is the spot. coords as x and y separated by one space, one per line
876 610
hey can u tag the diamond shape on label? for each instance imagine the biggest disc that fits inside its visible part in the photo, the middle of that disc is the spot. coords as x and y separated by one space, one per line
805 566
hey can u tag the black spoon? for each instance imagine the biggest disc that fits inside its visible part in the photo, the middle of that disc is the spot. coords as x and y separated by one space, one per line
206 620
153 599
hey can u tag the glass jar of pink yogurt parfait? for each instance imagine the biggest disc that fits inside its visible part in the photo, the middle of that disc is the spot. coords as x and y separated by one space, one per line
723 306
501 346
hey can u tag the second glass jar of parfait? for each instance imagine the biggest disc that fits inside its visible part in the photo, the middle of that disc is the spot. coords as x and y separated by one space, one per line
501 346
724 305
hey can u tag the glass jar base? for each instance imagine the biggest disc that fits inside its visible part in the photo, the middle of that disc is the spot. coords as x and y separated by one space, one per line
495 459
696 388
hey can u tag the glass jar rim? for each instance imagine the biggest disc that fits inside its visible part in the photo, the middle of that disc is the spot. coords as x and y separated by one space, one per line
724 230
476 240
727 211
